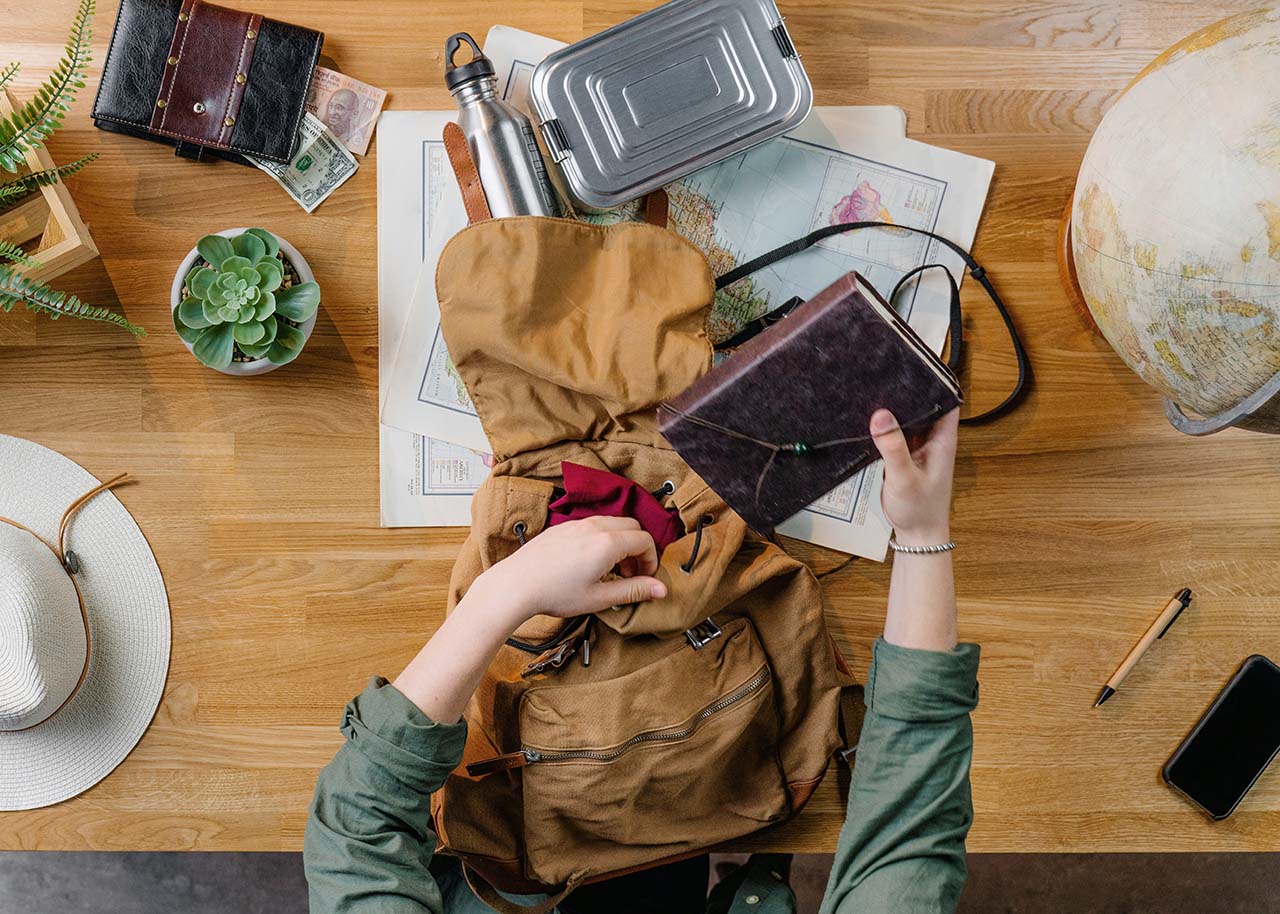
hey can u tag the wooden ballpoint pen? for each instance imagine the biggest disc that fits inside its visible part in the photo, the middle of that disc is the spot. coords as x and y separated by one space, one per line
1153 634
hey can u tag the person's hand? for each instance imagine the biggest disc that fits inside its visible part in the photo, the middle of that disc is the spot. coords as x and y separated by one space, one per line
917 484
560 571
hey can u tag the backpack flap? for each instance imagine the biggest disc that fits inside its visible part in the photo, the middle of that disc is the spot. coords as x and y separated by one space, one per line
565 331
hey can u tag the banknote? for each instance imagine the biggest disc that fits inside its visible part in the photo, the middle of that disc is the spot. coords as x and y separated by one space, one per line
318 167
347 106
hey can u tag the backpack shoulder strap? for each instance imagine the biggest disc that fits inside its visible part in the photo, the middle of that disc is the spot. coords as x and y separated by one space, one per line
957 327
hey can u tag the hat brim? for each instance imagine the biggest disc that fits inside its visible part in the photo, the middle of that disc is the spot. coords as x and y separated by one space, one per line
129 627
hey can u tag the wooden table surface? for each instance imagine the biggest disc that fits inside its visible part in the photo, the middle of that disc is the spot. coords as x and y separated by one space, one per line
1077 517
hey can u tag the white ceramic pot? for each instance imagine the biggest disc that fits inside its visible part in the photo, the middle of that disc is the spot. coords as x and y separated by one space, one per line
262 365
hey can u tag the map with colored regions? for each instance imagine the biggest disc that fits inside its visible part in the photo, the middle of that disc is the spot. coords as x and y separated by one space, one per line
784 189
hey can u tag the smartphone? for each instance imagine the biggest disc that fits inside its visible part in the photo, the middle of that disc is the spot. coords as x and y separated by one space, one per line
1232 743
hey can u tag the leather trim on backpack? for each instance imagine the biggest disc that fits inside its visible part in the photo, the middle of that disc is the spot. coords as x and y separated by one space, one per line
801 791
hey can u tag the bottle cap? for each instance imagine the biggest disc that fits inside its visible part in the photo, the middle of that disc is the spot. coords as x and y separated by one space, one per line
477 67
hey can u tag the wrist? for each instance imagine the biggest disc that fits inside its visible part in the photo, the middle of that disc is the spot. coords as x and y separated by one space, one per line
488 601
929 535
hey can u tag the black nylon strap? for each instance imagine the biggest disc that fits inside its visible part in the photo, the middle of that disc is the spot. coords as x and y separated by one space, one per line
957 326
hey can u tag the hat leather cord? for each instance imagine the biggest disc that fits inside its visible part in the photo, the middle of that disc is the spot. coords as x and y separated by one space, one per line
70 564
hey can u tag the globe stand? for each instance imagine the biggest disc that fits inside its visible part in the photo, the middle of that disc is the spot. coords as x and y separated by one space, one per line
1259 412
1067 271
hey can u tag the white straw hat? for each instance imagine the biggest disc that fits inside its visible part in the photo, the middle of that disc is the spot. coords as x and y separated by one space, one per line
84 628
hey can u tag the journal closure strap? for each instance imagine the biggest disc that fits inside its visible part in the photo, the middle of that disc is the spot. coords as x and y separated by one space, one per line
205 74
957 327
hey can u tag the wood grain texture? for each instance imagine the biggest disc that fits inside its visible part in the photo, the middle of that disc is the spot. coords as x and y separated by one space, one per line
1077 517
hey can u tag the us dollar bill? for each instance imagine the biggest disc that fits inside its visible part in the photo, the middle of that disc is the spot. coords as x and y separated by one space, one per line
319 166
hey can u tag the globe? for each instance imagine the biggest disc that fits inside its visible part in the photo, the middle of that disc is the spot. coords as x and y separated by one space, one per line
1175 223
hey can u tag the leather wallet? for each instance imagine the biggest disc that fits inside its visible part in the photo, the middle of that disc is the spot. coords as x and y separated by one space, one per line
207 80
785 419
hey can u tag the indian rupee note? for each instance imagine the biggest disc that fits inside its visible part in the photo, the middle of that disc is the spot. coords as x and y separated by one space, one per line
318 167
347 106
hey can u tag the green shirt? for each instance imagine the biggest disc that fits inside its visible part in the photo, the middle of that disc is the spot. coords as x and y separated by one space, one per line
369 845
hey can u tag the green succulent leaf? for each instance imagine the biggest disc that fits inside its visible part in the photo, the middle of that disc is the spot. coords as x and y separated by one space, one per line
250 275
270 275
298 303
211 311
200 280
229 314
250 333
215 249
190 334
233 265
215 346
287 344
255 350
249 246
266 306
246 315
272 325
191 314
271 242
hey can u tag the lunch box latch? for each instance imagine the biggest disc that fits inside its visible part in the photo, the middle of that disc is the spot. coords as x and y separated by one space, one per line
784 41
557 142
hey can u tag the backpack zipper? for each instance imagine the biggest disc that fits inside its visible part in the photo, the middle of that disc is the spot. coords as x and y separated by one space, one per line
527 755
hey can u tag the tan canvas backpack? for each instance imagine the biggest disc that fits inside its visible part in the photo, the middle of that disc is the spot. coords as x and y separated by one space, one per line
649 732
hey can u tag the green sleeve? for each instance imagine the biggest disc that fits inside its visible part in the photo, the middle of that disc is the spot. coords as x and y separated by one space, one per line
369 839
902 846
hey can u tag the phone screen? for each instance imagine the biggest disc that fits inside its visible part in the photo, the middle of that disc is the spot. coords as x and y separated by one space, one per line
1233 743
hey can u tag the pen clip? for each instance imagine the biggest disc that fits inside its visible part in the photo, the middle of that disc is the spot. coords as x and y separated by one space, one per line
1183 597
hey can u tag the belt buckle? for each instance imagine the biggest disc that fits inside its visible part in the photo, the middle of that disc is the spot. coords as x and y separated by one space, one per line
702 634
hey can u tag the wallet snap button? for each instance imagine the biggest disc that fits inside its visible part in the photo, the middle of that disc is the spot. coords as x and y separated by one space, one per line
198 107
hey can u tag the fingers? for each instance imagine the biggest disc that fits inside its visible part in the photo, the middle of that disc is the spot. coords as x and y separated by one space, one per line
943 435
605 522
621 591
635 549
891 443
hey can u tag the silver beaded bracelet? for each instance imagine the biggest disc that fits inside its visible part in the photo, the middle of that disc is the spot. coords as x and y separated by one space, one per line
921 550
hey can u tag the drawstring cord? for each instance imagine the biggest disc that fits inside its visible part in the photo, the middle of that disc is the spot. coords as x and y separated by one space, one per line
703 521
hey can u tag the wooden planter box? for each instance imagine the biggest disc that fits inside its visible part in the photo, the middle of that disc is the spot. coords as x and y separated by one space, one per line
49 215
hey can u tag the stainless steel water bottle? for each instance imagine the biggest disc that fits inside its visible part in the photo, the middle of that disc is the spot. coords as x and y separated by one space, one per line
502 140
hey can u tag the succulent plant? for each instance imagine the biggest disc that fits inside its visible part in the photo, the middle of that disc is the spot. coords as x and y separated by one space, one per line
239 300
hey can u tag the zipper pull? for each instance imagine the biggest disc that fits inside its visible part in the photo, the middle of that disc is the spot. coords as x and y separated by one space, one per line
508 762
552 659
586 650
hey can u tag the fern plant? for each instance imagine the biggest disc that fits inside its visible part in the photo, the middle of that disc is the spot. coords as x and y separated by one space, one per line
27 128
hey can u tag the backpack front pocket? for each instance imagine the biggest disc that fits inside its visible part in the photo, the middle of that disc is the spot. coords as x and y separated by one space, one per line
668 759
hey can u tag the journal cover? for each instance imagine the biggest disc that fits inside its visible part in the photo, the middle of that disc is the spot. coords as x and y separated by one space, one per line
207 80
785 419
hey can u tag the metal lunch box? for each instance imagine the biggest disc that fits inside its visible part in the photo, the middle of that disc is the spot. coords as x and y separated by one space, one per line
670 91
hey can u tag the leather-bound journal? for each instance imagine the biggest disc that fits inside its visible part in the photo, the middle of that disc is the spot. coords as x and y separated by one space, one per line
784 419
